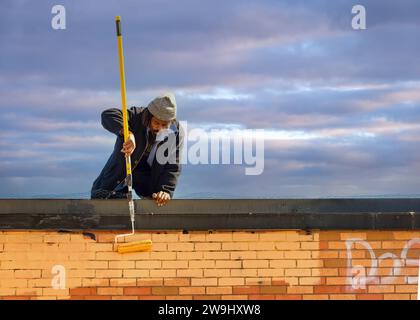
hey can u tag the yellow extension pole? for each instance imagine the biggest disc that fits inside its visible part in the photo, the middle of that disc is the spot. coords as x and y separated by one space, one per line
123 91
143 245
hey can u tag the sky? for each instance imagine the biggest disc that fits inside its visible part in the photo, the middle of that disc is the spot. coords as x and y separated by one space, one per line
340 108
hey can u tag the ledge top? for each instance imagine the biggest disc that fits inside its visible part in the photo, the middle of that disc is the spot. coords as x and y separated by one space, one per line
214 214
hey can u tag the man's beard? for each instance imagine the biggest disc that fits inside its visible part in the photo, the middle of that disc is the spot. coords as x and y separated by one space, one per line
152 136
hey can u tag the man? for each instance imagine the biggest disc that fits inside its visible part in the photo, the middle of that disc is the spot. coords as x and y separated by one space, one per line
149 129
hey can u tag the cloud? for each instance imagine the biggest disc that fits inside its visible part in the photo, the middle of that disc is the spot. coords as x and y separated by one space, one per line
340 107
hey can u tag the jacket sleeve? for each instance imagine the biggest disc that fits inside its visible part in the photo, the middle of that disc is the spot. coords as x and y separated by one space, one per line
171 171
112 119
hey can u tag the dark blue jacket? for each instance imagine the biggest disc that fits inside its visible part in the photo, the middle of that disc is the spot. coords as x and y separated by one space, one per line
163 177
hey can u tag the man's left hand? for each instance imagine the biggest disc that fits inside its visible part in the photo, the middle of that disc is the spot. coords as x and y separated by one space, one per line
161 198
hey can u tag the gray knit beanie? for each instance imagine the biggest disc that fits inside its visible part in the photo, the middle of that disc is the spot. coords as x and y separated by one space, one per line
163 107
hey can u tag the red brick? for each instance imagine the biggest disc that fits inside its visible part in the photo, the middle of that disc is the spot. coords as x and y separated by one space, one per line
246 290
262 297
406 288
82 291
96 297
289 297
342 297
329 235
207 297
273 289
16 298
178 297
177 282
399 296
219 290
192 290
165 290
380 235
149 282
370 297
111 291
315 297
279 283
137 291
335 263
323 245
328 289
151 297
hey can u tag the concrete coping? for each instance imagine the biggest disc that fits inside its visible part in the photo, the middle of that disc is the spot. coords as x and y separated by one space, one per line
214 214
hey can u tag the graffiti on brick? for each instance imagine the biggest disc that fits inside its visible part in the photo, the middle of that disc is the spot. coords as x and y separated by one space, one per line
359 276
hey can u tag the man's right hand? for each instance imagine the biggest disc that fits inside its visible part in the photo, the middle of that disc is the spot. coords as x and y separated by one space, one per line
129 145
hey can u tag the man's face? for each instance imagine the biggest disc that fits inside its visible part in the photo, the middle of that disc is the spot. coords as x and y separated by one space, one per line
156 125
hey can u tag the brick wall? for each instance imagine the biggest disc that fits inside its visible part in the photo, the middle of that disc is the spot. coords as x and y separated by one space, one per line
217 265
